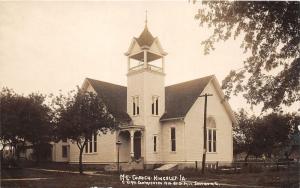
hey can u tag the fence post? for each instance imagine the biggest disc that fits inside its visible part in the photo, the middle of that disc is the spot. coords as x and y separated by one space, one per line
217 166
277 167
196 165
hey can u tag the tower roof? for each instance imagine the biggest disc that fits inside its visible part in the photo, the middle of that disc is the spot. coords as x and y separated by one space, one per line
145 38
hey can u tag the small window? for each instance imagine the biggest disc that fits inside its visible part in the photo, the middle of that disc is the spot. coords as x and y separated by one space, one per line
64 151
173 139
154 105
153 108
154 143
135 106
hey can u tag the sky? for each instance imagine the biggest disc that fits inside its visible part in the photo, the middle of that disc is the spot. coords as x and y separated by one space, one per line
50 46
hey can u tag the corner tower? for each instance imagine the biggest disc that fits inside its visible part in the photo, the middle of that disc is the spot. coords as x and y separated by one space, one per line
146 88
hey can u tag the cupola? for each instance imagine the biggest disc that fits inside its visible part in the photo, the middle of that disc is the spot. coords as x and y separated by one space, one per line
144 50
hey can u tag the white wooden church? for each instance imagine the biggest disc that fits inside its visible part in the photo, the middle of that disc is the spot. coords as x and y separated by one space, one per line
160 124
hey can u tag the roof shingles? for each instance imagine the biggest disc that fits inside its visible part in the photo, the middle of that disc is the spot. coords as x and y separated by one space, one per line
180 97
114 97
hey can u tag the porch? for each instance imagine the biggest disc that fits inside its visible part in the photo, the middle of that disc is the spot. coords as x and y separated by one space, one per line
131 146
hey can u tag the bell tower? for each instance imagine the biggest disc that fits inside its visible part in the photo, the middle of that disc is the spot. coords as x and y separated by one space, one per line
145 49
146 88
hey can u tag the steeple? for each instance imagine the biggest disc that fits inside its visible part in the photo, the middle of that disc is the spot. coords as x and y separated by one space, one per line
145 38
146 20
145 49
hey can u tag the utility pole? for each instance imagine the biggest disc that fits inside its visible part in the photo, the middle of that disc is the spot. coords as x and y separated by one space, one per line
204 130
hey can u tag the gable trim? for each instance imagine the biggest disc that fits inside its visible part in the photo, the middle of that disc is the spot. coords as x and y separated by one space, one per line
172 119
224 101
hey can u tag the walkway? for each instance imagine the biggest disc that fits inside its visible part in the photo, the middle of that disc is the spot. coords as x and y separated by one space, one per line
91 173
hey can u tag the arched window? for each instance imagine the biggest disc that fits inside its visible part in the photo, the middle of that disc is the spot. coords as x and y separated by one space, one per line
211 135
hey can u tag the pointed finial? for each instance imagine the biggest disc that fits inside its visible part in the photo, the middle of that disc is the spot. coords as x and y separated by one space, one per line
146 20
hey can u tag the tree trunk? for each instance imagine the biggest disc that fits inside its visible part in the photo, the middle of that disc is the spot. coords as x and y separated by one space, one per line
37 151
246 159
81 147
80 160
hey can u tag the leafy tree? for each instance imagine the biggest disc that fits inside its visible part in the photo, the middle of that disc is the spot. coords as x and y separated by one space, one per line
10 106
81 115
269 135
245 135
276 130
270 31
293 148
24 120
38 125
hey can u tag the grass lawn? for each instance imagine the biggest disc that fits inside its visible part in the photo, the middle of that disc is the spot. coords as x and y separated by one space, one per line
283 178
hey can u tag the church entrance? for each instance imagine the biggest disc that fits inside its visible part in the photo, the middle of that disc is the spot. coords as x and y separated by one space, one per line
137 144
131 138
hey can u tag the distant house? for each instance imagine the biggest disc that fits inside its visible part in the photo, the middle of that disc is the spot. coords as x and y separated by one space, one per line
160 124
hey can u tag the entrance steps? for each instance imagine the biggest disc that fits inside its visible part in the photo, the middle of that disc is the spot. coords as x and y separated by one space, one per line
125 167
167 167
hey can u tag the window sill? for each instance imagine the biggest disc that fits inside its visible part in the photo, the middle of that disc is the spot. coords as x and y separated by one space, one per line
153 115
155 152
211 152
173 152
94 153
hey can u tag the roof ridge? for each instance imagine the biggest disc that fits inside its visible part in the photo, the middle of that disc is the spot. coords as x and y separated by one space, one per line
91 79
190 80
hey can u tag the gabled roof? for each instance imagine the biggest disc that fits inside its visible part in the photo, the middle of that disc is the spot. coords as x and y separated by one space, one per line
145 38
180 97
114 96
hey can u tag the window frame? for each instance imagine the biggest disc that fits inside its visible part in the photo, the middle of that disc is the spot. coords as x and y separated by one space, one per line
95 142
155 143
135 105
91 145
211 142
64 153
173 140
155 105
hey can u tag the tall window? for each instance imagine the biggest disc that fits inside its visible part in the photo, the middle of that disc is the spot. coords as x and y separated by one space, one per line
91 145
211 135
64 151
155 105
173 139
135 105
95 142
154 143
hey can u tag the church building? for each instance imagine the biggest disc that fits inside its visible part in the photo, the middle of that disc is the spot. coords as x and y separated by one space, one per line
160 124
